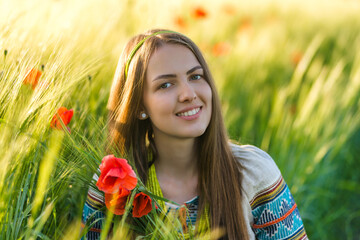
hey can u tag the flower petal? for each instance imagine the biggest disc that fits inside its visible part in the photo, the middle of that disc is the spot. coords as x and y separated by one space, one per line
141 205
116 173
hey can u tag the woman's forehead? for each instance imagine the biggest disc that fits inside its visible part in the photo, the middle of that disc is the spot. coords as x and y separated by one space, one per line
171 59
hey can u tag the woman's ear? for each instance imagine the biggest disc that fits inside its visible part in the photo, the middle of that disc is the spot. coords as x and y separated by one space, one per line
143 115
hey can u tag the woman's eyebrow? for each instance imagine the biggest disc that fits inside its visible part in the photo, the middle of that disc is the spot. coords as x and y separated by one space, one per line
164 76
193 69
174 75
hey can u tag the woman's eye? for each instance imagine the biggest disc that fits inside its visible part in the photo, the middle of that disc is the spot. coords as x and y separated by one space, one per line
165 85
196 77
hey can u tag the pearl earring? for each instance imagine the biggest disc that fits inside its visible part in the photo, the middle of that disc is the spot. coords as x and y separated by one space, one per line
143 115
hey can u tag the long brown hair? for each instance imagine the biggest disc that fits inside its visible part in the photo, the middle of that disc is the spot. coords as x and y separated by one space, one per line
219 172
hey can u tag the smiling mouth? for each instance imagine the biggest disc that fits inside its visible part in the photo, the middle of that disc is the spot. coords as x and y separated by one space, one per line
189 113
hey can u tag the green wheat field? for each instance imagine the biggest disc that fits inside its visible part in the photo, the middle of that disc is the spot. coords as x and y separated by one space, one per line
288 73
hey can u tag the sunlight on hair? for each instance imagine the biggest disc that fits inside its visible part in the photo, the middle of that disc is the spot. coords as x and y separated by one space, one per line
287 72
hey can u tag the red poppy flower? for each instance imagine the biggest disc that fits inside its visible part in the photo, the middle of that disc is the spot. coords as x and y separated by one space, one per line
32 77
199 12
116 203
141 205
221 49
245 24
296 57
180 22
229 9
116 174
62 114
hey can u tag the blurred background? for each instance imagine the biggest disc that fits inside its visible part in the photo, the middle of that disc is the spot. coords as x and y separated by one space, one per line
288 73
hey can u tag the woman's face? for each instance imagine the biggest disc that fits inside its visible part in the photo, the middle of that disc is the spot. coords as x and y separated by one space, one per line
177 98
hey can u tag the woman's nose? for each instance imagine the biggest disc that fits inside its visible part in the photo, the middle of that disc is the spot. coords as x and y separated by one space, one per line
187 92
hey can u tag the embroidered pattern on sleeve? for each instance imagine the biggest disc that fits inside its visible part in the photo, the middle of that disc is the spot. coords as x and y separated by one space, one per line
276 215
92 215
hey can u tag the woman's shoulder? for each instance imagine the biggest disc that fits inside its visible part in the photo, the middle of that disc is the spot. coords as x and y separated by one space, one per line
271 209
258 169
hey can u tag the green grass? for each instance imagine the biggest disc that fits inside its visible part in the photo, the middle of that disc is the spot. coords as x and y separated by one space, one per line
289 81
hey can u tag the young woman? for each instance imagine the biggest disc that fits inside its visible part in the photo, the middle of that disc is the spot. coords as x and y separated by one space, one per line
165 114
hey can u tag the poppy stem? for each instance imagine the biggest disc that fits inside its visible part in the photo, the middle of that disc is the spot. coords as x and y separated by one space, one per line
128 207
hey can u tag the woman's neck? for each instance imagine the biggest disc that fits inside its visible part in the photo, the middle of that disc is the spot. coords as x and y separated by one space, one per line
176 157
176 168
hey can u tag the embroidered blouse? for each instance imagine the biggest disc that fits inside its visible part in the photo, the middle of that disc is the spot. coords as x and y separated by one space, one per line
270 210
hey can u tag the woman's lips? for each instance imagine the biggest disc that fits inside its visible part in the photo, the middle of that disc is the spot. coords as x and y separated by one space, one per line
190 114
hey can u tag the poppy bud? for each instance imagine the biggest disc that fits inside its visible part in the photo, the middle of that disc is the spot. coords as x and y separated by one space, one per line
62 114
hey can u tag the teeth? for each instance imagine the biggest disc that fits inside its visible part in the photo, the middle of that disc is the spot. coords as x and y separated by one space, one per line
189 113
